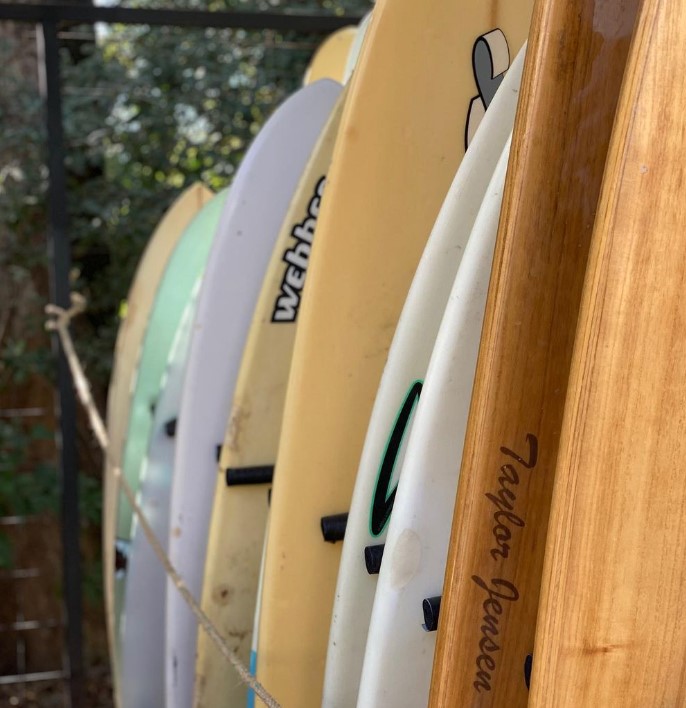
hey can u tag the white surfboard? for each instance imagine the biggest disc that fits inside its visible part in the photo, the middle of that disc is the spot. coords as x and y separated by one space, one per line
250 446
250 703
142 622
356 47
259 197
417 543
135 319
184 267
399 392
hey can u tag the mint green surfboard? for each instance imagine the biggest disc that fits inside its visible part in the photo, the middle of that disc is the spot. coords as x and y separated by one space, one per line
184 269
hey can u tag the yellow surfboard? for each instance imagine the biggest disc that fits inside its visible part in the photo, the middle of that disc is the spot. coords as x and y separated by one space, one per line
330 59
252 436
127 347
401 140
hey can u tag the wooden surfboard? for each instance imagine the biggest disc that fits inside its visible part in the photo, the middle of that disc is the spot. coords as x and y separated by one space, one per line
330 59
237 528
260 197
142 636
572 76
611 628
400 143
417 544
129 338
399 390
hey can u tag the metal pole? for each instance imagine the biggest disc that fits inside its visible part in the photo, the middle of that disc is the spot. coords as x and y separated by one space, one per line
54 12
60 265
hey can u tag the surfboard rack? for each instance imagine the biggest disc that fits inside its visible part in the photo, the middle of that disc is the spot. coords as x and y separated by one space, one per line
236 476
431 607
333 527
372 558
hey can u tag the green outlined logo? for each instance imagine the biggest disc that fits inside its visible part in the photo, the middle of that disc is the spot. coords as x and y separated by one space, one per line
382 500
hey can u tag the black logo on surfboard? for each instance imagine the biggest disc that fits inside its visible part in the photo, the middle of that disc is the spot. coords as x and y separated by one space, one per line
296 260
382 501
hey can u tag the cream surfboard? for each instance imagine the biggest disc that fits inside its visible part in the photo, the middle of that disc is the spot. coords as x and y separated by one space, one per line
142 624
329 61
417 544
260 196
248 454
571 81
184 267
400 143
399 390
129 338
611 628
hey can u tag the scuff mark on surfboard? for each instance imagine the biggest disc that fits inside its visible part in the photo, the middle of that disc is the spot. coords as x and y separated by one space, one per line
405 558
239 415
222 594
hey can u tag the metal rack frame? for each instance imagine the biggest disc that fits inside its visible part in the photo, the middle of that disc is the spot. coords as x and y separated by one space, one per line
48 17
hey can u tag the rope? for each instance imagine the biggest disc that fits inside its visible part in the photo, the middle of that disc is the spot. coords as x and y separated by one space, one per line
58 321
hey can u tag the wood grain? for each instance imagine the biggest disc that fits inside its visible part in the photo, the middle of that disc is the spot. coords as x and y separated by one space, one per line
574 67
611 627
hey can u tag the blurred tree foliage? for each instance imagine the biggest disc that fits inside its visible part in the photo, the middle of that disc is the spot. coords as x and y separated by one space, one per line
150 110
147 111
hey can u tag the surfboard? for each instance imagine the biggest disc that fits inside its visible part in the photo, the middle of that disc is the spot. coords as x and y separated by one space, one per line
142 623
417 545
260 196
329 61
356 47
571 82
129 338
400 143
610 629
251 439
399 391
250 703
184 267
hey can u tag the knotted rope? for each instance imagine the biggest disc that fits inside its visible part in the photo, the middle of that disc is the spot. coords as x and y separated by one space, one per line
58 321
